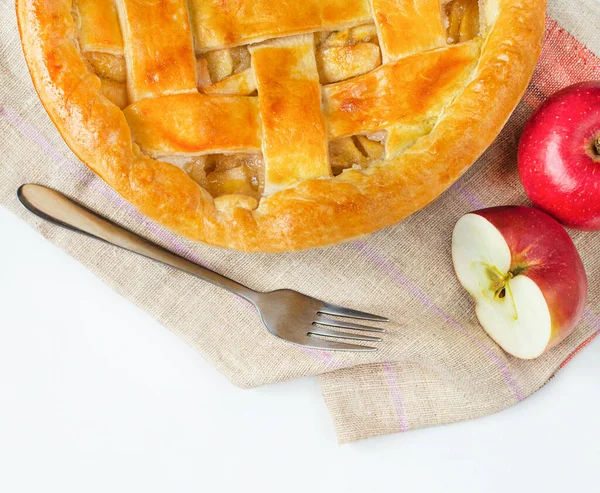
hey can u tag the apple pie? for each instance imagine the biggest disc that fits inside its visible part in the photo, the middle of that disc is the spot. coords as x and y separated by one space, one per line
278 125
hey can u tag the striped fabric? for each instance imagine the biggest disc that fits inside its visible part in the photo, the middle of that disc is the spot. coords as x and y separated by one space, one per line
436 365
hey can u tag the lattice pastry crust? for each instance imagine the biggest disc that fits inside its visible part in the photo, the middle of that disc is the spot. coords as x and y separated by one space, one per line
265 125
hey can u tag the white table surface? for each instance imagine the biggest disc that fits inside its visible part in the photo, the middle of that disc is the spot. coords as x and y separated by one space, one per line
97 397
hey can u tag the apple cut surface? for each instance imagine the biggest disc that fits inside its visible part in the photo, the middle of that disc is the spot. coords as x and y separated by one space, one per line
513 313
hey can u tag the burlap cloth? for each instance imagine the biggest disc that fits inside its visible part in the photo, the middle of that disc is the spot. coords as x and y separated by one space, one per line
436 366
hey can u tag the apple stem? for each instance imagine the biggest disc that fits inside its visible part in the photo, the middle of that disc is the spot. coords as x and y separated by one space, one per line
597 146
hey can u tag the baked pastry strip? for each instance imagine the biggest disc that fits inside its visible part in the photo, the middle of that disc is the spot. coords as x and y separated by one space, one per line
192 124
400 137
294 144
218 24
195 124
407 92
406 27
157 65
101 43
99 28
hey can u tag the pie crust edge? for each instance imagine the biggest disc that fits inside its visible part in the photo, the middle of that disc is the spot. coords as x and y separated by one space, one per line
314 212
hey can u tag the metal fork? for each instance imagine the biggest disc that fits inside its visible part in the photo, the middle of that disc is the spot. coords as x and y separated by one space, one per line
287 314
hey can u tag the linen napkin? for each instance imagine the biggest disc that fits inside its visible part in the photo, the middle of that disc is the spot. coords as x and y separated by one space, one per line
436 364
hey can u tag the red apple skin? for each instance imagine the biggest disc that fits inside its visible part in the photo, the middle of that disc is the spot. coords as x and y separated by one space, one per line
540 245
559 168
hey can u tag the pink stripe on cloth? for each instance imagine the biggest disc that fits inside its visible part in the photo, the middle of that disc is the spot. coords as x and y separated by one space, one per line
468 196
392 383
392 271
325 357
558 68
82 174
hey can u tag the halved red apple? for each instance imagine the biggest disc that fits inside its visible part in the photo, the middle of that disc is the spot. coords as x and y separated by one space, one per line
525 275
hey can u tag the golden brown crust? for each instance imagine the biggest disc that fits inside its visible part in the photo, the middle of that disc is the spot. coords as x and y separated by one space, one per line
99 26
408 91
219 23
407 27
195 124
315 212
157 65
294 140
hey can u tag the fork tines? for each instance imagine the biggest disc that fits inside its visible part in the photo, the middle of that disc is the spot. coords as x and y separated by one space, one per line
321 323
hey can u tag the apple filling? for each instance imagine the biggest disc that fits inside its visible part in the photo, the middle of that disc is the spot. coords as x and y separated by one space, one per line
243 174
357 152
225 71
348 53
462 20
224 174
111 71
102 48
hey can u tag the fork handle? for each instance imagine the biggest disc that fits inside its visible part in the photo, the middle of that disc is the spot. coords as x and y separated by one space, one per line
55 207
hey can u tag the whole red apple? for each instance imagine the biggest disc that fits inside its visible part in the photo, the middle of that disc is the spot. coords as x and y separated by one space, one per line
525 275
559 156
